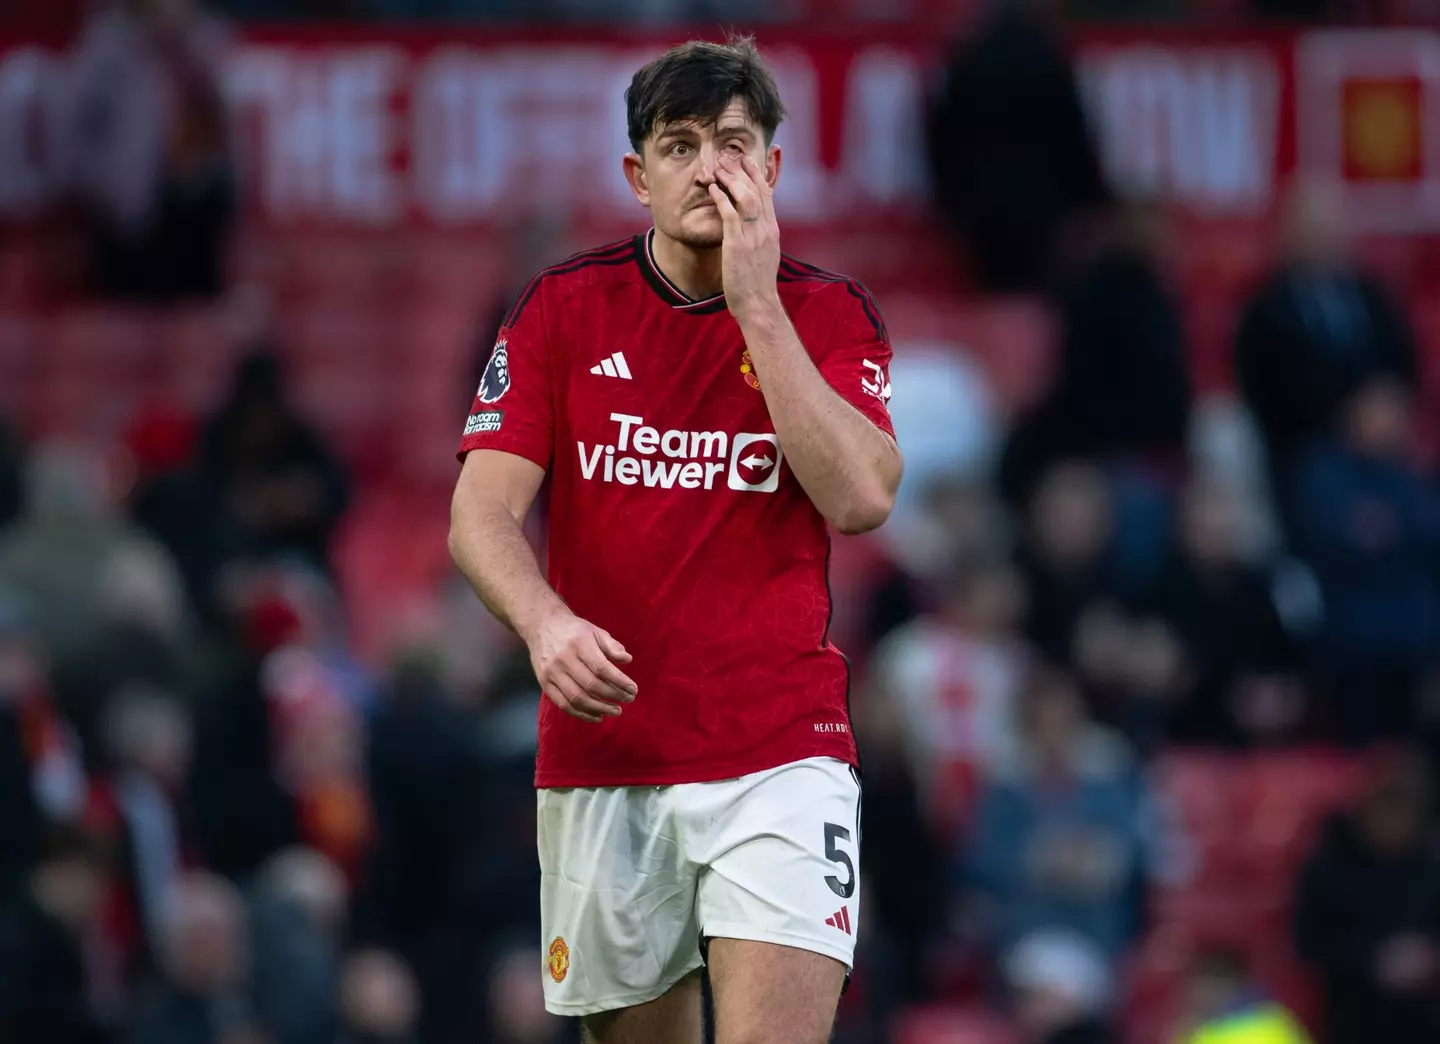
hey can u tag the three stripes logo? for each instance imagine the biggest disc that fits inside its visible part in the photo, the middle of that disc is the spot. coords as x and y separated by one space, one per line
840 919
613 366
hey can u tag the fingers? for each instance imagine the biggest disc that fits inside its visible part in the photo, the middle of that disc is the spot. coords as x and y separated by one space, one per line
602 679
763 188
728 213
570 697
613 650
742 189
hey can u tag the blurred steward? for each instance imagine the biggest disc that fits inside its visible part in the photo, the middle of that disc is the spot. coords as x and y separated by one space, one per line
149 152
1317 329
47 947
1225 1006
1367 913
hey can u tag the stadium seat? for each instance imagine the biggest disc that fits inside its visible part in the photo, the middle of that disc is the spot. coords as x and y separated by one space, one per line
940 1024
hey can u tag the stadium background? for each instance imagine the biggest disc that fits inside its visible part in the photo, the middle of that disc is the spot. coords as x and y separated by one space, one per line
264 761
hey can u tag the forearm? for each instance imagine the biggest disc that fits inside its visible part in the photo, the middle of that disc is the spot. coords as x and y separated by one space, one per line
849 468
492 553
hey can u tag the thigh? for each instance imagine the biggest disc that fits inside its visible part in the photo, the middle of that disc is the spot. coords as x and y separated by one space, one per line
672 1018
617 899
782 862
770 994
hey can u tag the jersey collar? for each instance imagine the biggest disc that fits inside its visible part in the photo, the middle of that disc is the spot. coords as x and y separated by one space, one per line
668 291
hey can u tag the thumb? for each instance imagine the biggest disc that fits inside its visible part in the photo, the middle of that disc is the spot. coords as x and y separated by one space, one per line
613 650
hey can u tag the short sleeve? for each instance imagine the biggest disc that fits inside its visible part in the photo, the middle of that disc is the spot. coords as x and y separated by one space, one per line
855 358
514 408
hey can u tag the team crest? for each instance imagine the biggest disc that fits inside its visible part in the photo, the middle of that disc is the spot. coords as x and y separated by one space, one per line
558 960
496 380
747 368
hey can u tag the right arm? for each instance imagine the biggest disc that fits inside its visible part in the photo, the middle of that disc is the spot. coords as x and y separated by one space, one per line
574 660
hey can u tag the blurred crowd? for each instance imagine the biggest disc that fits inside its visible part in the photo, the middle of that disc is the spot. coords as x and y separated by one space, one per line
223 827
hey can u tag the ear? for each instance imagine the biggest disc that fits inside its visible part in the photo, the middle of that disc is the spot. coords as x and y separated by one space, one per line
772 165
635 176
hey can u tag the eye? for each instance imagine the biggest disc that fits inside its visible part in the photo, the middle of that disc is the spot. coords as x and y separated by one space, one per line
680 148
735 147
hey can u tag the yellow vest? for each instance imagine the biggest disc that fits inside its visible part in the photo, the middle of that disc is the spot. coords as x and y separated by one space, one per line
1270 1024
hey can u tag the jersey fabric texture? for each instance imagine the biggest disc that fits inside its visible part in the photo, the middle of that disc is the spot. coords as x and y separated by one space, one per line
675 522
633 878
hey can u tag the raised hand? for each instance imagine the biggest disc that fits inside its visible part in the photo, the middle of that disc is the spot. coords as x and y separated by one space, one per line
750 254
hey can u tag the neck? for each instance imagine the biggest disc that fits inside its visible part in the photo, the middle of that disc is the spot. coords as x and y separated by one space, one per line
695 271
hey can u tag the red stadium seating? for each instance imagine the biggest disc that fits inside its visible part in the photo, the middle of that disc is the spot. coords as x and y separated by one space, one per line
952 1025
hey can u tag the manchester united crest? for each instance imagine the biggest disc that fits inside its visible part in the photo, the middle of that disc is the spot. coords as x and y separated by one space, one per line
558 960
747 368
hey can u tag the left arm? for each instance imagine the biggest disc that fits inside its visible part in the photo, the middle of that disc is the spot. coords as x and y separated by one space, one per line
847 463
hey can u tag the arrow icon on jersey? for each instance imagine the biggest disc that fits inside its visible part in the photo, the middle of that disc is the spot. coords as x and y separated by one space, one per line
753 461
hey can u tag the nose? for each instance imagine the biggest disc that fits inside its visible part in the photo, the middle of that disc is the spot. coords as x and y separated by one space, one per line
709 160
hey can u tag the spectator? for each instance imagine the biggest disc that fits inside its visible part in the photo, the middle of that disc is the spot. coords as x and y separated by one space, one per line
1367 914
1238 676
954 678
1062 834
1368 524
379 1001
517 1001
282 487
1227 1007
297 921
1011 155
136 807
203 994
1065 559
19 809
1061 984
1316 330
148 145
1122 392
45 984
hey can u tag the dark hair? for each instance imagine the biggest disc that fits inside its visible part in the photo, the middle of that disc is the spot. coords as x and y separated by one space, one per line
698 81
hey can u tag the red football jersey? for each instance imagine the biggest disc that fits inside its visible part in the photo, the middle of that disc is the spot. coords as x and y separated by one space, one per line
675 522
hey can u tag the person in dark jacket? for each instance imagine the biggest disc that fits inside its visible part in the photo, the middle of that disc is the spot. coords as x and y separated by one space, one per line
1367 915
44 983
1367 521
1012 156
1315 330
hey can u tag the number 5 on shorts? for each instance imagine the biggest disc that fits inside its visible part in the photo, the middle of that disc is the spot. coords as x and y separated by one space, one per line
846 888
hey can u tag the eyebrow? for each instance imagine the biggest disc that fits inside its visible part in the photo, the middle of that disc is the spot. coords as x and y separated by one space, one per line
735 130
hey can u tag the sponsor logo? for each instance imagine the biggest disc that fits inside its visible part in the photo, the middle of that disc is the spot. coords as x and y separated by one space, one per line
495 382
840 919
831 726
880 386
613 366
484 423
558 959
641 455
747 368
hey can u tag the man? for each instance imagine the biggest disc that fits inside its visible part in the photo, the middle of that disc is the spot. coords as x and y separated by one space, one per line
703 408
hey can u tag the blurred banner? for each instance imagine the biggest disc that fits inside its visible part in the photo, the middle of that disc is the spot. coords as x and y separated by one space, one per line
429 128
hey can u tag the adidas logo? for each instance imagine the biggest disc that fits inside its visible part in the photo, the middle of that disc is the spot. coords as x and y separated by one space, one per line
614 366
841 920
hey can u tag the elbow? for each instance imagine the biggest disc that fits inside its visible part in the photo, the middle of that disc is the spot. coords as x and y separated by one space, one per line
865 513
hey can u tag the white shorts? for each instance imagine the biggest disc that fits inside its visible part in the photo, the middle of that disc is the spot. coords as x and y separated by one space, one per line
633 878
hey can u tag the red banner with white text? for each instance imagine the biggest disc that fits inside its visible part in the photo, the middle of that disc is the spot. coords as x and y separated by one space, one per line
359 129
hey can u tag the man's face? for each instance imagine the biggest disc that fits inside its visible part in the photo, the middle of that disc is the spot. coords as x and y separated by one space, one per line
675 172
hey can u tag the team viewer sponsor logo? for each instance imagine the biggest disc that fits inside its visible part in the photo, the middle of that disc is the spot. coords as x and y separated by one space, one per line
642 455
484 423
